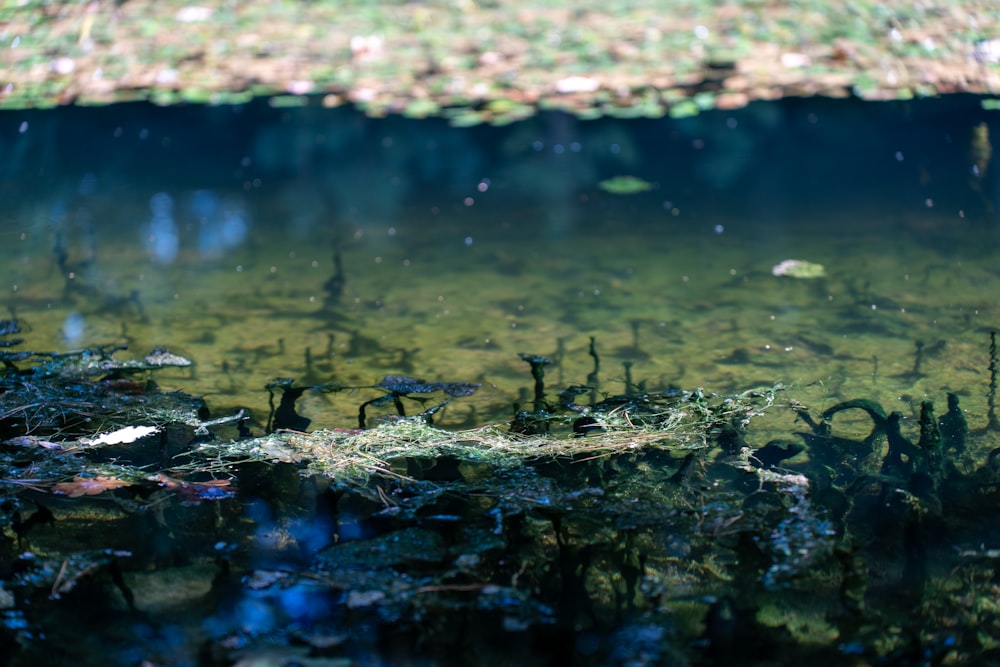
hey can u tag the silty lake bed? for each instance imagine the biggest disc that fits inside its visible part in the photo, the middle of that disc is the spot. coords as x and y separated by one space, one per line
324 247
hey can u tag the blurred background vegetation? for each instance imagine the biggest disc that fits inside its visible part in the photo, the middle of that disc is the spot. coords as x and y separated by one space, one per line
497 60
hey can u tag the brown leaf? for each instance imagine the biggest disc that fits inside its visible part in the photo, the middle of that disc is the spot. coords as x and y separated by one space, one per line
87 486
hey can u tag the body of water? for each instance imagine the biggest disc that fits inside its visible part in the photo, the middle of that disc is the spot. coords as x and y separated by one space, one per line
328 249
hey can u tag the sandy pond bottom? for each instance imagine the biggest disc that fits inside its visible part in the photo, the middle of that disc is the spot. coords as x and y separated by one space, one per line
459 250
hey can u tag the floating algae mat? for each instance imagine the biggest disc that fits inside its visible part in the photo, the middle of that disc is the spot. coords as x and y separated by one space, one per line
288 385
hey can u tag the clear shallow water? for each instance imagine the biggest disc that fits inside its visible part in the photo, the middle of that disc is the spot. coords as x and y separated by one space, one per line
214 231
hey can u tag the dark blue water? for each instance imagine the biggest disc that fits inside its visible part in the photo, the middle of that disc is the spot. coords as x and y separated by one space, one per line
760 161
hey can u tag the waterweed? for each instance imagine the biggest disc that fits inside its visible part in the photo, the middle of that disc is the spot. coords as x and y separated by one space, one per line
666 510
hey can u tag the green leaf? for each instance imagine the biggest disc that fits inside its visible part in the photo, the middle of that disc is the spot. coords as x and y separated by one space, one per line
625 185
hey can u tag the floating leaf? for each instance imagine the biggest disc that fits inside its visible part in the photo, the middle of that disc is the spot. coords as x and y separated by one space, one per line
798 268
625 185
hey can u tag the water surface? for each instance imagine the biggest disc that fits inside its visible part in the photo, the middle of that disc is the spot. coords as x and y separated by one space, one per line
325 247
214 231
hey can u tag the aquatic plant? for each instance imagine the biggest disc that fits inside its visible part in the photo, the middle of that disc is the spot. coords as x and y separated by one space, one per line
398 387
649 504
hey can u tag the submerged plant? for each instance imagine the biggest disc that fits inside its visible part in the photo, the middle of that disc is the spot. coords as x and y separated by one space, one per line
398 387
631 508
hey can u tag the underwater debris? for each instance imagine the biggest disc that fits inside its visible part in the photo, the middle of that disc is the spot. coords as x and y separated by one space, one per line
74 394
161 357
193 493
88 486
803 538
631 511
398 387
678 421
404 385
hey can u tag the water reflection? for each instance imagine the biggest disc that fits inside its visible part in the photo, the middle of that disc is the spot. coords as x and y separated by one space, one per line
162 240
